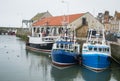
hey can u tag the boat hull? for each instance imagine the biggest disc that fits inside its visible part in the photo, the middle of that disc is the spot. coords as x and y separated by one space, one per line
44 48
96 61
63 58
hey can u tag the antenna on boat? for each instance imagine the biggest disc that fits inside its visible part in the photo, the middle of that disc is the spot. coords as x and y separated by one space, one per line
66 20
88 35
74 35
103 41
67 3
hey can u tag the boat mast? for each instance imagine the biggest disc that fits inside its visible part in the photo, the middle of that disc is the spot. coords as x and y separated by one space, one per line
90 36
103 41
66 20
74 35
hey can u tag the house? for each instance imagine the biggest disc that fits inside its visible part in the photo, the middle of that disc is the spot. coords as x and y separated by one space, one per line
114 25
116 22
111 23
37 17
40 16
105 18
56 25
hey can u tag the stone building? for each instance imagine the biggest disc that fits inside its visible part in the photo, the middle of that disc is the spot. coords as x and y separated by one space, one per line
56 25
40 16
36 18
105 18
116 22
111 23
114 25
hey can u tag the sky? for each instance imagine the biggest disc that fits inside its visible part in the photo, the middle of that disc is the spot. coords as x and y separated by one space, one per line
12 12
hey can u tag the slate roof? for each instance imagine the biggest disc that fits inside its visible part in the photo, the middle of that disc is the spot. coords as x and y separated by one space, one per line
38 16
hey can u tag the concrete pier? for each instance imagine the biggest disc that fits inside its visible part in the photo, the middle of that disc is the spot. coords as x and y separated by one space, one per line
115 51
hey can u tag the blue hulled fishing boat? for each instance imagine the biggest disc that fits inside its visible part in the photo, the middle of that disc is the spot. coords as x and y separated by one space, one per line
65 52
96 51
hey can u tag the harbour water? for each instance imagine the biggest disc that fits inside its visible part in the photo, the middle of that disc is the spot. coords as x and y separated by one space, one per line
19 64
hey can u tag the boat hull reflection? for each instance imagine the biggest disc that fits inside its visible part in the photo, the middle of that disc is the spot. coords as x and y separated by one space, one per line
89 75
64 74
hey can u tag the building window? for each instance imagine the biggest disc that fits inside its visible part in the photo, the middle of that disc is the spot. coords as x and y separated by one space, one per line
34 29
84 21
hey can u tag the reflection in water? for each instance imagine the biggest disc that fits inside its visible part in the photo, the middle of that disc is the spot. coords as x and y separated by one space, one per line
116 74
66 74
19 64
115 69
89 75
38 62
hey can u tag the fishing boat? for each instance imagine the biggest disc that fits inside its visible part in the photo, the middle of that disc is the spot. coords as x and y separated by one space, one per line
41 43
96 51
65 52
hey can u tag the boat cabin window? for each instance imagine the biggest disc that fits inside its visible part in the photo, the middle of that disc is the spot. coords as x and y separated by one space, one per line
76 48
90 48
85 47
57 45
70 46
95 49
100 49
103 49
51 38
39 35
107 49
61 45
46 38
66 46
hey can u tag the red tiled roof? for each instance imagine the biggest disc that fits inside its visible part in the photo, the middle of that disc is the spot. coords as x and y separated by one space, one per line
57 20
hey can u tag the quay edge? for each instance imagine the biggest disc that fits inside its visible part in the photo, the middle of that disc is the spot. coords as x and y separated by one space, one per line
23 33
115 52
